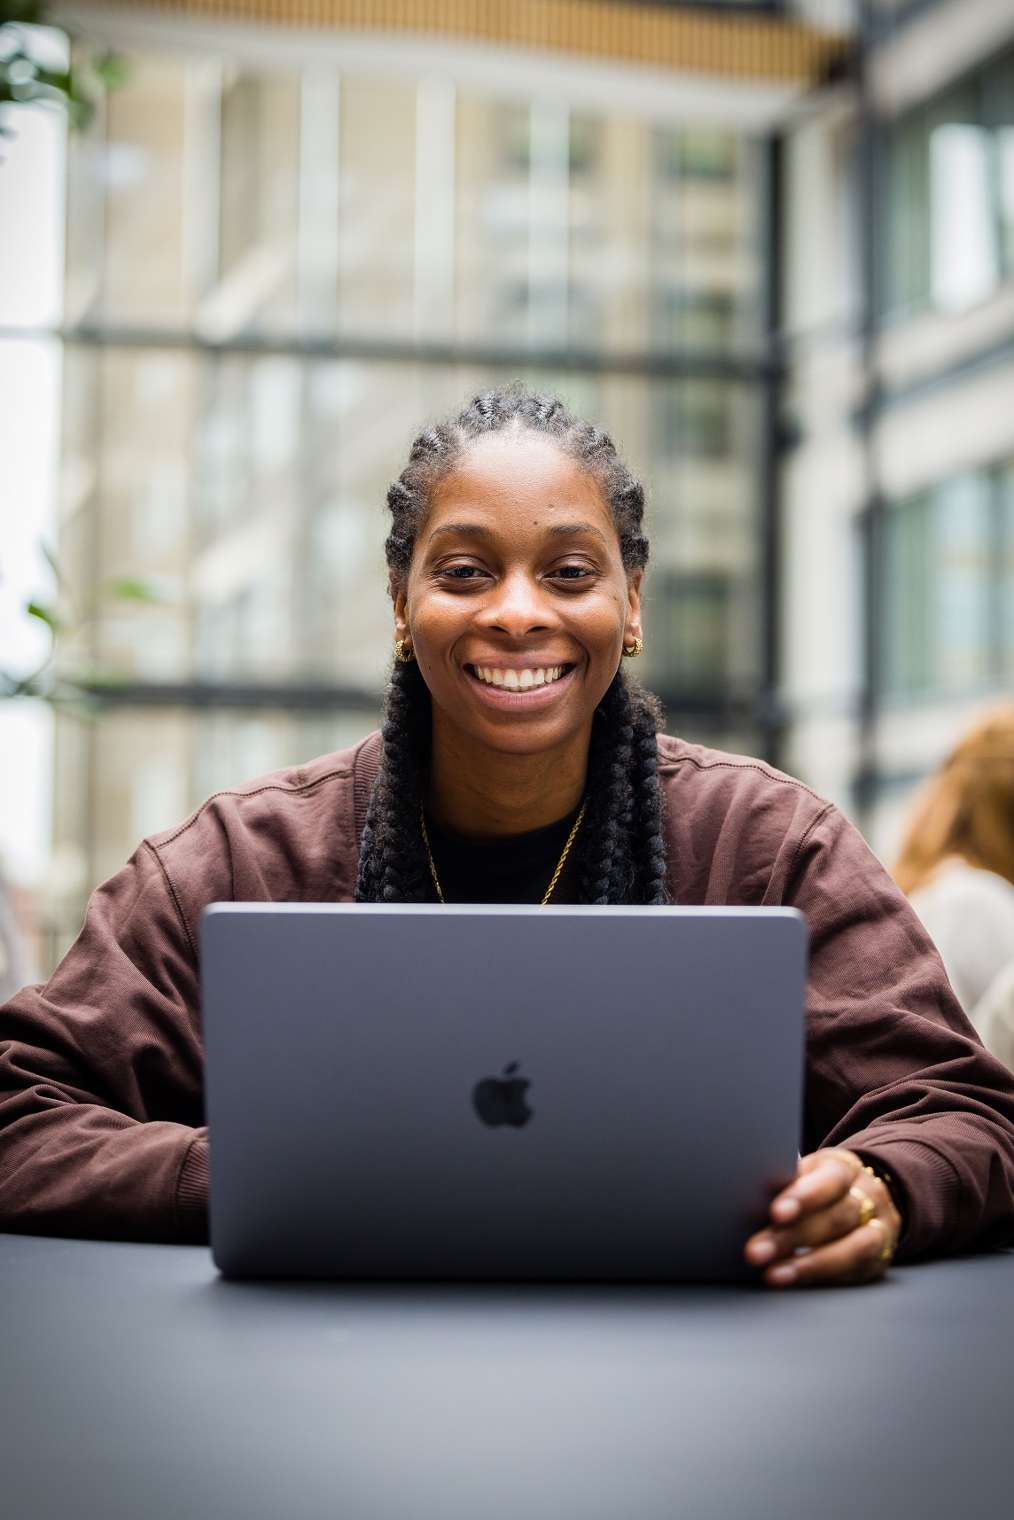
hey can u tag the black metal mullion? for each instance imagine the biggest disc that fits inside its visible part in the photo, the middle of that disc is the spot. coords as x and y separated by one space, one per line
770 715
872 521
686 364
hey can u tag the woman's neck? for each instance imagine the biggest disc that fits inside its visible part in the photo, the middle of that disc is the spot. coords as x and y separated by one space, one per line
483 793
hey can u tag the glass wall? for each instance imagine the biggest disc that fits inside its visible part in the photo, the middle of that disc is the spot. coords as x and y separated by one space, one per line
243 497
274 279
949 587
951 164
276 246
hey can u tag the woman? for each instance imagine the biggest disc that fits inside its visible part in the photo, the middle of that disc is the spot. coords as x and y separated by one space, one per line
517 764
957 865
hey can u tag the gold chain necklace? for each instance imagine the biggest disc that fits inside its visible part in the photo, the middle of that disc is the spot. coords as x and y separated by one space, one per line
556 874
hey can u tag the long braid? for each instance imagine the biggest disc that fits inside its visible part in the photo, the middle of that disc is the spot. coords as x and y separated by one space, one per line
624 856
392 862
621 851
648 824
605 858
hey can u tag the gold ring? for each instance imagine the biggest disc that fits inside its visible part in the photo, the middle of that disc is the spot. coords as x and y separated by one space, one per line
867 1208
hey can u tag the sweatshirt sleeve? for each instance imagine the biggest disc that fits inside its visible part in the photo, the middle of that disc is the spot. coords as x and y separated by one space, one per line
895 1070
101 1109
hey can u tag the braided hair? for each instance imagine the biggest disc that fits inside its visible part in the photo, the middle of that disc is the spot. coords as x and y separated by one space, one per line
621 848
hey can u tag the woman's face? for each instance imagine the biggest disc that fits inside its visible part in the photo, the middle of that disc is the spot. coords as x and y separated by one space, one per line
517 604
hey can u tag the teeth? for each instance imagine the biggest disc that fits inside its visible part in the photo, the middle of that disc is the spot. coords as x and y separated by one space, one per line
518 680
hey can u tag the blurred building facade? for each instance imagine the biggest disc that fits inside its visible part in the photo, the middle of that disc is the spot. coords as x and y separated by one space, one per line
898 468
290 244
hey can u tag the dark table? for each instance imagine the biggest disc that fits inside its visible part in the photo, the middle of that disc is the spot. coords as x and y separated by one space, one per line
138 1385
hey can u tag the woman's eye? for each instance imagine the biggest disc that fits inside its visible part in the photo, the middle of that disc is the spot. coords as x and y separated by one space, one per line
461 572
573 572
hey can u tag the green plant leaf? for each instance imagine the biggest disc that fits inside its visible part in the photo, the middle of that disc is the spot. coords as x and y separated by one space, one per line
45 615
130 588
24 78
111 69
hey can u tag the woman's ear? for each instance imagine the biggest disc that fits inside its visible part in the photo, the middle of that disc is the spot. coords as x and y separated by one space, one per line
399 596
632 627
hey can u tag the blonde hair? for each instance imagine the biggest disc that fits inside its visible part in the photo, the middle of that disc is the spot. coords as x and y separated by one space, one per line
966 808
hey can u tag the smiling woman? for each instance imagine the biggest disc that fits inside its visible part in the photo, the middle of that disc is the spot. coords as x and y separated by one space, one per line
516 550
518 763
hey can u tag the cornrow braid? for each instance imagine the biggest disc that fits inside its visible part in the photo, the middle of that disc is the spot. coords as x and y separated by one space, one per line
621 852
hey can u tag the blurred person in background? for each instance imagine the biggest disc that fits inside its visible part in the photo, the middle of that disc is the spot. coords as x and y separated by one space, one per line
956 863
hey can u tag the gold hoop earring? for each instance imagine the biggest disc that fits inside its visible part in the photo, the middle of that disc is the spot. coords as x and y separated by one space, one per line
636 648
403 652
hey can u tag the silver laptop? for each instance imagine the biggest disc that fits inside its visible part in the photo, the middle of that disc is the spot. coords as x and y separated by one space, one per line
452 1092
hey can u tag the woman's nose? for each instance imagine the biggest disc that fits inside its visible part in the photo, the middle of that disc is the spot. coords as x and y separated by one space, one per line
517 606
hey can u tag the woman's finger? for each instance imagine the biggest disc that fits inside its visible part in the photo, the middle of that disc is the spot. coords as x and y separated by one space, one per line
856 1257
823 1179
812 1229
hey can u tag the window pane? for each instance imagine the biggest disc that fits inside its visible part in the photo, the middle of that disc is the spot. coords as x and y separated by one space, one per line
937 589
491 237
258 205
706 240
377 207
1005 575
141 167
907 577
123 538
950 195
961 530
908 263
702 581
964 266
609 256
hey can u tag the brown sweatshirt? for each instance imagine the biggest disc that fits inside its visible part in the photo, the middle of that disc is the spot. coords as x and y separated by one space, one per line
101 1107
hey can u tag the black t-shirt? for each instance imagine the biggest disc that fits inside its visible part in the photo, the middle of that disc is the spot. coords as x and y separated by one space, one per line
515 869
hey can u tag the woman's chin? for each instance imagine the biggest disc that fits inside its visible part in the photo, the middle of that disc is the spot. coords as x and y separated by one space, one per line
503 735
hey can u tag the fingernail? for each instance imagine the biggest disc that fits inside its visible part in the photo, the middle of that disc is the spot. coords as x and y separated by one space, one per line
762 1250
784 1274
785 1208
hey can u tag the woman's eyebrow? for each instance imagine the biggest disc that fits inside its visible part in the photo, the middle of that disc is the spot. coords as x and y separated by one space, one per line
476 530
461 530
571 530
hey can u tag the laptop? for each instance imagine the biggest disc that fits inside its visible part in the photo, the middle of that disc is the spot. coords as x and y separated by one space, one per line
452 1092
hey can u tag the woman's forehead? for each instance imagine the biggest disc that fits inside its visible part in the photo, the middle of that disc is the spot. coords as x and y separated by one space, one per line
505 475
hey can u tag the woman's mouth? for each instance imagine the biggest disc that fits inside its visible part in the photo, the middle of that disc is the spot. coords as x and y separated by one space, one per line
518 680
512 686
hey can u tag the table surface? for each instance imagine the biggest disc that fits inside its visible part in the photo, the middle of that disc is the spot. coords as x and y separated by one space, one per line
138 1383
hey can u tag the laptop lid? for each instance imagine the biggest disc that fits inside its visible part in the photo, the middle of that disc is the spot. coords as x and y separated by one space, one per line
504 1092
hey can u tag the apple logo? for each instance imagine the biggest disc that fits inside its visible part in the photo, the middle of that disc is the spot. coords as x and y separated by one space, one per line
501 1100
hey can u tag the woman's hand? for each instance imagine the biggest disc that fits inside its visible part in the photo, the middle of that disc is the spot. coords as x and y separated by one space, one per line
841 1218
